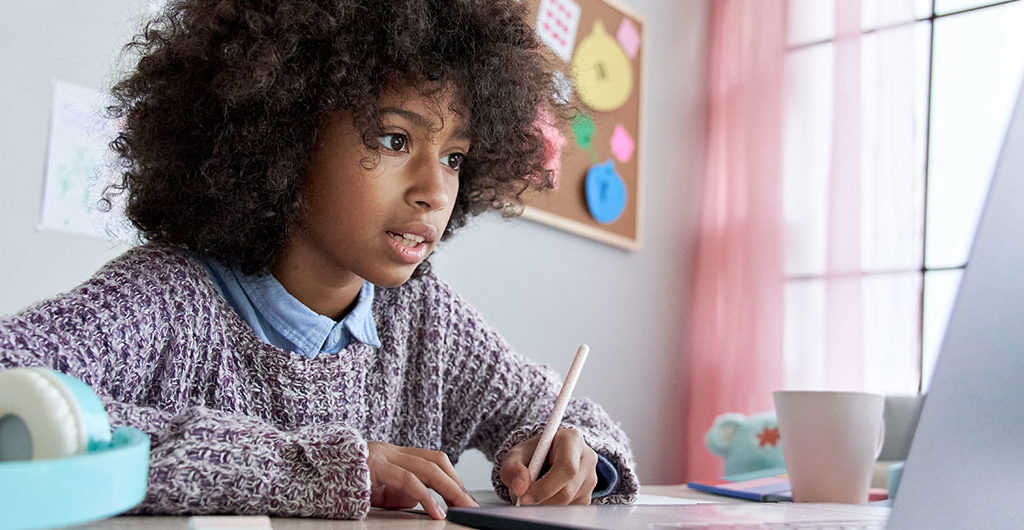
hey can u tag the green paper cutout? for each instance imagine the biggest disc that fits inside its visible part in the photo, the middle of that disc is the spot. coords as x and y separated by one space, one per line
583 128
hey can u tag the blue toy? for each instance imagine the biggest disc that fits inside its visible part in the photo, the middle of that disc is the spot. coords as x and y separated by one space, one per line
748 444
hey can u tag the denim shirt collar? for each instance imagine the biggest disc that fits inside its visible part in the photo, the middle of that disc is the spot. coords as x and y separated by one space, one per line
280 319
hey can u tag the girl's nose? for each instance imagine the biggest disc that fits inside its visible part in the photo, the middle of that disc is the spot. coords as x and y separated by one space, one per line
430 186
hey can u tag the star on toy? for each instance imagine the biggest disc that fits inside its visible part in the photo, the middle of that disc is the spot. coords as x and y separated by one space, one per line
768 436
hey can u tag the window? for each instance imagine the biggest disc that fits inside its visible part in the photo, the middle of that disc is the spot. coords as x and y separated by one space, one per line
950 69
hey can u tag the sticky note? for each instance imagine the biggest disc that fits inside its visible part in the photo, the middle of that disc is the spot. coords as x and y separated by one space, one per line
557 21
605 193
602 72
622 144
628 37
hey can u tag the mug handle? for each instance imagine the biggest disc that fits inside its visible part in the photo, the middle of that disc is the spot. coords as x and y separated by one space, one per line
881 439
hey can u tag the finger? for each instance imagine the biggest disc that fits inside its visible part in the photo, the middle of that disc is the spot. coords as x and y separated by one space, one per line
441 459
431 474
583 495
566 453
577 487
514 472
516 476
405 482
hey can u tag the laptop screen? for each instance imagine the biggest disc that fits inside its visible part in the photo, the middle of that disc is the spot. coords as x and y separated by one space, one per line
966 463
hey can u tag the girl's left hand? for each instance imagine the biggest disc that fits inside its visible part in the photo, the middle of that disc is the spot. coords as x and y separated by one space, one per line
570 479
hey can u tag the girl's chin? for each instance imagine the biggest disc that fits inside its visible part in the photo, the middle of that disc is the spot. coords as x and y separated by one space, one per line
392 278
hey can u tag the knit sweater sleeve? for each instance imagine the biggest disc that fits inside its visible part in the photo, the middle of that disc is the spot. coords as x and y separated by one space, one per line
209 461
109 332
496 398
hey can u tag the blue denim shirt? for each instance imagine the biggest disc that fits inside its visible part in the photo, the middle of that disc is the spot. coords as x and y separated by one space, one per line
279 319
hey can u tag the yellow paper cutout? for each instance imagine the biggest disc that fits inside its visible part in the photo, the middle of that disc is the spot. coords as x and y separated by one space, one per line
601 70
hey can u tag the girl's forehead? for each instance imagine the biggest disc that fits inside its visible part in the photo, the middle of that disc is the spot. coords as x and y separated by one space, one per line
438 104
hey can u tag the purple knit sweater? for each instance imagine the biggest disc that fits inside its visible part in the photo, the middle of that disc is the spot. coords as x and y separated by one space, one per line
240 426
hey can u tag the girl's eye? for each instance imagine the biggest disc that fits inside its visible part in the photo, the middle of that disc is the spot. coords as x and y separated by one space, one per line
453 160
393 141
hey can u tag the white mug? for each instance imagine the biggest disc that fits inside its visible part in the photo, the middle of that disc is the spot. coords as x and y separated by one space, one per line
830 441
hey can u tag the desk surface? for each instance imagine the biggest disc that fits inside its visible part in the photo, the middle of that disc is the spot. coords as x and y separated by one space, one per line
376 519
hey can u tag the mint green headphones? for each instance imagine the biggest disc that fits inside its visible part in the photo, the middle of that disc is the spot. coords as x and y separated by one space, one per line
59 462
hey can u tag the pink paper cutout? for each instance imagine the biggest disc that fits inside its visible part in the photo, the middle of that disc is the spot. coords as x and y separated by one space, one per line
629 37
553 142
622 144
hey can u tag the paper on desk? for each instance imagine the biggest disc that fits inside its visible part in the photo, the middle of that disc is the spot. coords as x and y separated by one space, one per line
663 499
490 498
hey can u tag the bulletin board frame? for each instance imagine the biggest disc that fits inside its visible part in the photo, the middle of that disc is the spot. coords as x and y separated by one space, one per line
566 207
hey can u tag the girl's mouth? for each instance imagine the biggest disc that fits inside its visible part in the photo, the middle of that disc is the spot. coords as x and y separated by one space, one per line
410 248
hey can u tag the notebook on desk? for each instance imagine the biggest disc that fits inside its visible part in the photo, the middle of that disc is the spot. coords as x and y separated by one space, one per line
966 463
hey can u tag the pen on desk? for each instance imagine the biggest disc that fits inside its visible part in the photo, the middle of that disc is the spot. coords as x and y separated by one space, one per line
540 453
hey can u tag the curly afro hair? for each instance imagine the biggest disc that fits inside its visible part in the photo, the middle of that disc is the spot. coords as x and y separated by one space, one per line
221 112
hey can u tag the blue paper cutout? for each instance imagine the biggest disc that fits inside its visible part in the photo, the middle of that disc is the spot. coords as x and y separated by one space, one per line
605 192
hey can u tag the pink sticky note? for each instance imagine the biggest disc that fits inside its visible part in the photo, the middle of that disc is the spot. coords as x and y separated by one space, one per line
554 140
629 37
622 144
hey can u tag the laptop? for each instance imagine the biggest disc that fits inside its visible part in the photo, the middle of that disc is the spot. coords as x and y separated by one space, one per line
965 468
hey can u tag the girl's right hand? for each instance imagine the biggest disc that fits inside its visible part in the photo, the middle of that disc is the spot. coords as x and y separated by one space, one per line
400 477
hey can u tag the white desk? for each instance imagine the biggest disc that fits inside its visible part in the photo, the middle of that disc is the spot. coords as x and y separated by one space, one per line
376 519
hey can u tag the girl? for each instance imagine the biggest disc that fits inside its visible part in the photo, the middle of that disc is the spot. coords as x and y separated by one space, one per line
291 166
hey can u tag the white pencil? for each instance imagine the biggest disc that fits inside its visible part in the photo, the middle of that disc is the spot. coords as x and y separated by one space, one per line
540 454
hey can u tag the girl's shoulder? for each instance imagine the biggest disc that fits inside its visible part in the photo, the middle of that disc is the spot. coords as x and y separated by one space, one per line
147 287
154 263
156 257
154 272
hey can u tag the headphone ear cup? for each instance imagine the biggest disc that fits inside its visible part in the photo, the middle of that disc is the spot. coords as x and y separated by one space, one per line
41 402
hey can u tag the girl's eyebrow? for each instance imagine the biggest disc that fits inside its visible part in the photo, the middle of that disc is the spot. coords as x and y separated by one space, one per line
423 122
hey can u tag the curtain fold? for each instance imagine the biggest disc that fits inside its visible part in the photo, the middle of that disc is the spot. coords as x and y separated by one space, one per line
735 351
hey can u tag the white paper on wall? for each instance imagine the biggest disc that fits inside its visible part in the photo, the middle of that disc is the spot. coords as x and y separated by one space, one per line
557 21
79 166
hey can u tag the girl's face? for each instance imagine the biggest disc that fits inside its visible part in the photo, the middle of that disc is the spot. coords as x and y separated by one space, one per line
378 222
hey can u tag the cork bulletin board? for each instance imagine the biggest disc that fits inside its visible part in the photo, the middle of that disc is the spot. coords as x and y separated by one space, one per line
599 45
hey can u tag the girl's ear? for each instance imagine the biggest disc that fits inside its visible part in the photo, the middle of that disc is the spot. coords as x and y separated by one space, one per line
719 438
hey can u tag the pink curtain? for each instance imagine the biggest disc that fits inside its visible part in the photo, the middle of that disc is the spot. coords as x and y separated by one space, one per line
845 328
735 354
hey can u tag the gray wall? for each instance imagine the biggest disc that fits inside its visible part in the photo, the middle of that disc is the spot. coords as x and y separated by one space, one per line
41 42
544 289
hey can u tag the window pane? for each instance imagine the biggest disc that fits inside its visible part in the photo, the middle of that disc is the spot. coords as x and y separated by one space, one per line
810 21
814 20
943 7
890 321
881 13
807 133
804 336
893 102
894 95
979 57
940 289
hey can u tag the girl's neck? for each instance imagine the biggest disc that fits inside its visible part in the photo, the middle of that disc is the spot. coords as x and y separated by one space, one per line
325 292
